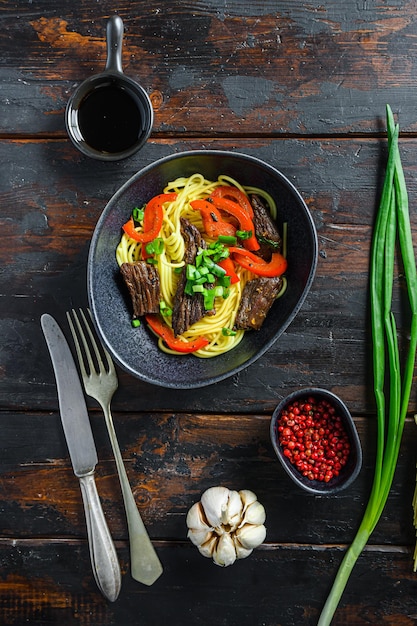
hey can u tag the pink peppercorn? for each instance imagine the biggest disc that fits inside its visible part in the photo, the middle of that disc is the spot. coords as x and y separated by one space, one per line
313 438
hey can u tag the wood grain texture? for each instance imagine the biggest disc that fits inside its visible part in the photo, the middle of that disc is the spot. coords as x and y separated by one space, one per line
170 460
302 86
287 68
276 585
43 268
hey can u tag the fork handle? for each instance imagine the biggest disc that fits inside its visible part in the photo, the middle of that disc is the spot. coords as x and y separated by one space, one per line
145 564
103 555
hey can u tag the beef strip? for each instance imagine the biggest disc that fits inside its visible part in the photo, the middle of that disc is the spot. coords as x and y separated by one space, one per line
265 229
187 310
257 298
142 281
259 293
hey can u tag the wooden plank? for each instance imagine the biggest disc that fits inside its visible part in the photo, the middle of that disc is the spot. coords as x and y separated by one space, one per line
50 582
170 460
298 69
48 226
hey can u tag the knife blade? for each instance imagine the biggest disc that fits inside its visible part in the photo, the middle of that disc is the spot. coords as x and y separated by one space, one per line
83 454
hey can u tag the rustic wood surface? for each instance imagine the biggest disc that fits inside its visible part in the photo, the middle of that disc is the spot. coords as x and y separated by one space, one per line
304 87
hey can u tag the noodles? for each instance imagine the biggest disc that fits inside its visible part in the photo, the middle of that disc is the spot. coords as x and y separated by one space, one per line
217 328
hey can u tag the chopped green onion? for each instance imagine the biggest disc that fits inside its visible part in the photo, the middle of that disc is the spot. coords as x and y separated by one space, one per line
209 263
228 239
199 257
156 246
164 309
217 270
244 234
135 323
209 297
159 245
217 251
206 271
391 412
224 281
224 255
228 332
138 214
190 271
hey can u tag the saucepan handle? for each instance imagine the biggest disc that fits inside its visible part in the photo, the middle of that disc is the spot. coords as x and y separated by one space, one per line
114 44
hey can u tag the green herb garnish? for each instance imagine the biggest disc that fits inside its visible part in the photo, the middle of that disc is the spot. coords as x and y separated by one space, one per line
138 214
244 234
156 246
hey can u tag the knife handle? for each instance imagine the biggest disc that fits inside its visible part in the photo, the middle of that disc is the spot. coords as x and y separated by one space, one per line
103 555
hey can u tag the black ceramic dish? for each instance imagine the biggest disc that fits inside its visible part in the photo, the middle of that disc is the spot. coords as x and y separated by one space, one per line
135 349
352 468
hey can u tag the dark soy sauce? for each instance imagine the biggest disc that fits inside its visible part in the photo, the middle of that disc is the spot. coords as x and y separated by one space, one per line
109 119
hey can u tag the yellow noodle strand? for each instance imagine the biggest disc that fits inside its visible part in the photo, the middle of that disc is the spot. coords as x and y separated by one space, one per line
128 251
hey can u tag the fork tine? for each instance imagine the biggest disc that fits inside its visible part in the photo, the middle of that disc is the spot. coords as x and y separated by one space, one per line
84 327
110 364
76 342
86 355
94 346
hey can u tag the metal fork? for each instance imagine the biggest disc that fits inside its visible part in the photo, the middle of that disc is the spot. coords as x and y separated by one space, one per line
100 382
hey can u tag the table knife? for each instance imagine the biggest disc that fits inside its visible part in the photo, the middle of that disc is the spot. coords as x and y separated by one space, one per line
82 450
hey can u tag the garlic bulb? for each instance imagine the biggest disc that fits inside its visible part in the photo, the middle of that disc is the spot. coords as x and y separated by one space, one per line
226 525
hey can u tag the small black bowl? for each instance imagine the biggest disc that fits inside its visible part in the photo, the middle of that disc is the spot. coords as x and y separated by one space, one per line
349 471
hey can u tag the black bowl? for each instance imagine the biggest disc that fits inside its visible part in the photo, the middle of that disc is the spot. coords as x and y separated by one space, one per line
349 472
135 349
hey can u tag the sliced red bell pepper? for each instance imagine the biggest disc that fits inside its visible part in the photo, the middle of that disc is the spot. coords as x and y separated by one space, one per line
233 193
152 221
214 224
229 267
246 259
174 343
245 221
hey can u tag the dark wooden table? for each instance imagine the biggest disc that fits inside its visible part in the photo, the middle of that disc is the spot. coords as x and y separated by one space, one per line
303 86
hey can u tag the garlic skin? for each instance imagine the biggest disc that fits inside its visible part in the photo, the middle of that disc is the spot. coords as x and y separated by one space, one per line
207 548
196 518
226 525
254 514
224 553
214 502
250 536
241 552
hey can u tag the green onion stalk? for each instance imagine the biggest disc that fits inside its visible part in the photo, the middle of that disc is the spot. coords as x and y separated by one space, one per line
391 387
